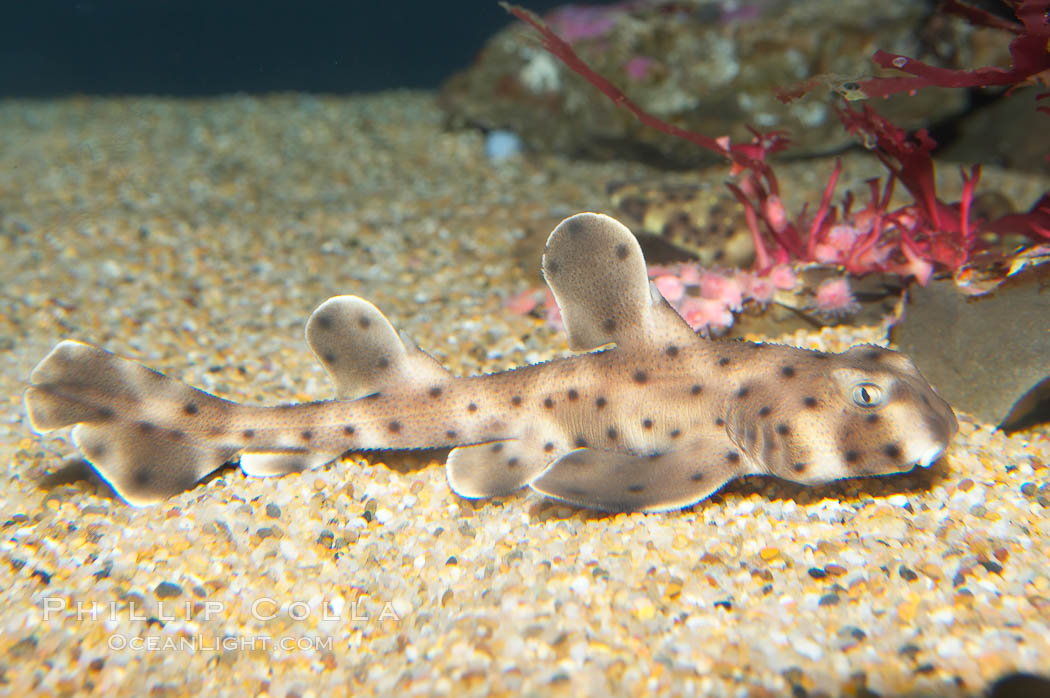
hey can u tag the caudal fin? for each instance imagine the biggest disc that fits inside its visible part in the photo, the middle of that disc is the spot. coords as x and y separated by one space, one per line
138 428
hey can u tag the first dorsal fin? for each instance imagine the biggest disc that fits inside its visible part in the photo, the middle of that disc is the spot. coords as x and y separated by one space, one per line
362 351
596 270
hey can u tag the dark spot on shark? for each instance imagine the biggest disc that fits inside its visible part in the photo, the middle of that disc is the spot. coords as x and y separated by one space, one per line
324 321
696 389
451 434
581 442
671 351
472 407
435 391
764 411
733 457
635 489
364 322
548 402
383 363
600 402
609 325
719 422
647 423
640 376
675 433
394 426
190 408
787 371
798 467
552 267
810 402
611 433
871 418
497 447
573 394
783 429
513 462
723 361
698 476
306 434
329 357
516 401
851 455
743 391
892 450
548 447
348 429
145 427
622 251
248 433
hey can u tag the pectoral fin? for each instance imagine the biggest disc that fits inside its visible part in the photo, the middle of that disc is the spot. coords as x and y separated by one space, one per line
623 482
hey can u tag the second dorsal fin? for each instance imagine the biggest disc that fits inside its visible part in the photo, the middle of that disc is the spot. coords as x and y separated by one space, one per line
362 351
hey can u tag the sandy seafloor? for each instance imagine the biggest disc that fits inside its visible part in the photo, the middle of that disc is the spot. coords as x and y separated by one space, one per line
197 236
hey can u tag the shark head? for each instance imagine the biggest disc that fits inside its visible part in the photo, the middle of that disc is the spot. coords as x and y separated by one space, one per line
867 411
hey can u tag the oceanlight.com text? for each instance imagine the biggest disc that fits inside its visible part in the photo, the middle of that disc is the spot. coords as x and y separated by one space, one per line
201 643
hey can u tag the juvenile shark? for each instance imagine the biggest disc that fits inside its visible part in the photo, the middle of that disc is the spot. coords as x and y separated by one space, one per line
653 417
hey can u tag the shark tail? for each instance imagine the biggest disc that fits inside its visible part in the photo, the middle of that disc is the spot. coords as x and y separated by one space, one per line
139 429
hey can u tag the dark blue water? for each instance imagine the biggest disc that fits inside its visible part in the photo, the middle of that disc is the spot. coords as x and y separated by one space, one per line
201 47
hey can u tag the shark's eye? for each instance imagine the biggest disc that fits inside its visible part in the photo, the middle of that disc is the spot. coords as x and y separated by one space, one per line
868 395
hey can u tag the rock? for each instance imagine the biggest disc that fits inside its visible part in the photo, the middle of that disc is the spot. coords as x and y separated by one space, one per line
1022 135
167 590
708 67
988 355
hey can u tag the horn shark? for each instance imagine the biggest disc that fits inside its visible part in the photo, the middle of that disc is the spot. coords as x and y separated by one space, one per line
652 417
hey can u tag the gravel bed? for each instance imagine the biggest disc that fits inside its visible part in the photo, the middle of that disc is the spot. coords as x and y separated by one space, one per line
198 235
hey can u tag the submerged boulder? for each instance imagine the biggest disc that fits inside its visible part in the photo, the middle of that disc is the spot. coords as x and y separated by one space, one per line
986 354
707 66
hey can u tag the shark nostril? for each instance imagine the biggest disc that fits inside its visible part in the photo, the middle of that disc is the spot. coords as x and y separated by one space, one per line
927 458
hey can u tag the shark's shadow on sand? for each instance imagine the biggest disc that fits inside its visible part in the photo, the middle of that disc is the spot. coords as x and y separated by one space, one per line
76 476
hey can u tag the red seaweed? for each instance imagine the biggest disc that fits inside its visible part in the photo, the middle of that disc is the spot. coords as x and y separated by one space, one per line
911 240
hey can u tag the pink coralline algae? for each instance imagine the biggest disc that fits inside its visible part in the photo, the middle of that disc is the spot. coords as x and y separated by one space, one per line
835 298
706 298
637 68
581 22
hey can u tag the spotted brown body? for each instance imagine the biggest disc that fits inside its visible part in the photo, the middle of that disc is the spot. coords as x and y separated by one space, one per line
652 417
